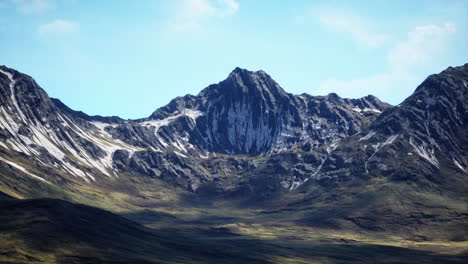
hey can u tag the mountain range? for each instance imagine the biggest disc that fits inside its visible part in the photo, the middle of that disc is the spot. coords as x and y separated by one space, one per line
243 157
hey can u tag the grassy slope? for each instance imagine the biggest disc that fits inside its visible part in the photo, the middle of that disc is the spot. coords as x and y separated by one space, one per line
55 231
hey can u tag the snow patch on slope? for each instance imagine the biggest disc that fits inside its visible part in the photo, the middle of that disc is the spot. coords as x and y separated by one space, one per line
458 165
107 144
12 95
192 113
368 136
18 167
377 147
425 152
360 110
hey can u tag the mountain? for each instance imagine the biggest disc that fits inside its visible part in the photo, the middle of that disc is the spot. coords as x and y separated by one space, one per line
246 114
249 160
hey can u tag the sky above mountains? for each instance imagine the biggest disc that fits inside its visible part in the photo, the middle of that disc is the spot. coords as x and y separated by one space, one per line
127 58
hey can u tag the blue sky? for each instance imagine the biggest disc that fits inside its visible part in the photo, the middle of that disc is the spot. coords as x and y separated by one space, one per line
127 58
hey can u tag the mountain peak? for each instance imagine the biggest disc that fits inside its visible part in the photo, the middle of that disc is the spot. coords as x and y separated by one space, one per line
239 70
258 82
242 82
240 74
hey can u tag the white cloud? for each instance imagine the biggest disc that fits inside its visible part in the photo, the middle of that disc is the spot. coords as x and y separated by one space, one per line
350 23
190 14
423 46
58 26
423 43
34 6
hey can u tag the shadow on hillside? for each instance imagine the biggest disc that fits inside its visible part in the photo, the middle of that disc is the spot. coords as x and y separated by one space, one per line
82 234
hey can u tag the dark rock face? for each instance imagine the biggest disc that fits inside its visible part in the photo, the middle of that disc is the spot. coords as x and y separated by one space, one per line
245 114
244 134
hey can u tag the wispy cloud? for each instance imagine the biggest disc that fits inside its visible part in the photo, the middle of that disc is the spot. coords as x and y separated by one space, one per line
422 46
34 6
423 43
346 21
191 14
58 26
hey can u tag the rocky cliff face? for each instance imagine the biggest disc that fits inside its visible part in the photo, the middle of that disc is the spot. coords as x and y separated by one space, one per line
244 133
